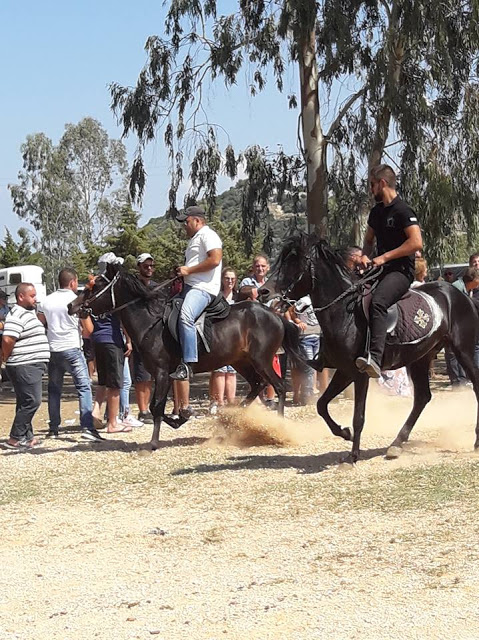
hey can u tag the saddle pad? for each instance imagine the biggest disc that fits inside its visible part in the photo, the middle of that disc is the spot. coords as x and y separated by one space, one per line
418 317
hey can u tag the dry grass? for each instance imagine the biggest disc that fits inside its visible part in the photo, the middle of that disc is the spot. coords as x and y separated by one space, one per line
244 527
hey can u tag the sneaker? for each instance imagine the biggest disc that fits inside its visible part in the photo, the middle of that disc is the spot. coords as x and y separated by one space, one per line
368 366
53 433
145 417
183 372
92 435
130 421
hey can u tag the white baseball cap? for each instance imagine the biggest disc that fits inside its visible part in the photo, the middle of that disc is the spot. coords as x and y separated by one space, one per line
144 256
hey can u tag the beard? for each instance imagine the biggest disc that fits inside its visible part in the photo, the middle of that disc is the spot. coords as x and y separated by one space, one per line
378 197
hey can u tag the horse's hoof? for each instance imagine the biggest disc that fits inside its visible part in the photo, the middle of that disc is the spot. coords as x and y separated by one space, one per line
154 445
346 434
393 452
346 465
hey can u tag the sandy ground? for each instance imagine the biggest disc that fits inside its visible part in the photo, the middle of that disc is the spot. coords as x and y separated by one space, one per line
219 535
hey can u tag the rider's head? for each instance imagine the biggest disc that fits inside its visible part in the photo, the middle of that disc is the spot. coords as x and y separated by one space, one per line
382 181
193 218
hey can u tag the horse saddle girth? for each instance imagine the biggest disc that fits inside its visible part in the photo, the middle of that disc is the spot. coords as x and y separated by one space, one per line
217 310
410 320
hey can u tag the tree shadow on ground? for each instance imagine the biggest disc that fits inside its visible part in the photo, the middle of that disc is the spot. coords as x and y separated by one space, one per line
105 446
304 464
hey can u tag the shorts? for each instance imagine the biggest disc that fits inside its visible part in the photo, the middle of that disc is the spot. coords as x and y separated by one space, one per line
88 349
109 365
226 369
140 374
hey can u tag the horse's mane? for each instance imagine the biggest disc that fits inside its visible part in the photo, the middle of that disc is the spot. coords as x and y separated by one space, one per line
155 297
303 244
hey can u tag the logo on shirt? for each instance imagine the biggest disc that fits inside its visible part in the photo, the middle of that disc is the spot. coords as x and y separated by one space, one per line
390 223
412 219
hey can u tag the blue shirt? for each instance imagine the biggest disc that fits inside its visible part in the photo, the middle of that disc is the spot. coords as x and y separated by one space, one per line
108 330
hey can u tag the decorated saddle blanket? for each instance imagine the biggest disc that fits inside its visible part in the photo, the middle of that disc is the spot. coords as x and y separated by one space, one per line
218 309
411 319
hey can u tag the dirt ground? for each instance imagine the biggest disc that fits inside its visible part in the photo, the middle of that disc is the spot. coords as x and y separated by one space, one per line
221 535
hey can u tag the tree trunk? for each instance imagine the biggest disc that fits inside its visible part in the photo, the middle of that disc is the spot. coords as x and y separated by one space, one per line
314 141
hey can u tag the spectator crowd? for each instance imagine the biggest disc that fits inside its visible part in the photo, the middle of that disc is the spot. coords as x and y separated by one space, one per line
38 339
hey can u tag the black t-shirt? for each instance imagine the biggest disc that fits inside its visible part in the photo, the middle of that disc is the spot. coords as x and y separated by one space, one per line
388 223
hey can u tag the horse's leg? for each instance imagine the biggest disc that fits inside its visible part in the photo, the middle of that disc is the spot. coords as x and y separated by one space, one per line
270 375
361 385
338 383
419 374
158 404
466 360
255 381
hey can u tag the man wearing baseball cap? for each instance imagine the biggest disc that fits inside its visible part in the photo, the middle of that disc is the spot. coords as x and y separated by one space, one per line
202 277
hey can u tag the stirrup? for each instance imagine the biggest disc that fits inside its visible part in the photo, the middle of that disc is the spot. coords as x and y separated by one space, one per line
183 372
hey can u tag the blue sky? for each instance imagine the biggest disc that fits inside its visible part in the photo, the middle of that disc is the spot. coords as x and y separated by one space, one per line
57 61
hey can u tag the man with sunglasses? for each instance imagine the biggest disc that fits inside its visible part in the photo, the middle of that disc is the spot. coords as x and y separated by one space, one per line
202 278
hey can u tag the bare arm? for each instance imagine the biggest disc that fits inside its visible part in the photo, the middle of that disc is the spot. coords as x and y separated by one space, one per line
128 344
87 327
412 243
213 260
42 318
8 342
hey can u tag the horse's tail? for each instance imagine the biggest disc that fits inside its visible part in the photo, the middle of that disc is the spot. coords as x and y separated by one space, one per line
291 344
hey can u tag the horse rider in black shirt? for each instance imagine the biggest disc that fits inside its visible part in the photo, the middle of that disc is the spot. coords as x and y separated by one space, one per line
394 226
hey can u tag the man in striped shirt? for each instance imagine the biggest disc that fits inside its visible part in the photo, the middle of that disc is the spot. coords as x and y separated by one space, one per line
26 352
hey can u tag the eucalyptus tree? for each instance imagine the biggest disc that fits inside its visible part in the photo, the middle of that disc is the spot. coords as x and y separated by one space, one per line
396 69
201 46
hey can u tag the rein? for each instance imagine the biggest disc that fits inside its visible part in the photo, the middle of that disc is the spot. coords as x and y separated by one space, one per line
111 287
358 287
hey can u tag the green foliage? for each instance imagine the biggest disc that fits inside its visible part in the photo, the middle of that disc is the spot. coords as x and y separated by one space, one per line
67 192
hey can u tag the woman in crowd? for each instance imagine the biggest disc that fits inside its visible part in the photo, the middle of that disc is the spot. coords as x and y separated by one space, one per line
223 380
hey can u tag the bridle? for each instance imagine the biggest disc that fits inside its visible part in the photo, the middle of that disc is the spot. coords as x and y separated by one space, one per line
84 307
362 287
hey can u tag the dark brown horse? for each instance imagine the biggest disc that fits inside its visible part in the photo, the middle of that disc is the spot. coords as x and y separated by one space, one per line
309 266
247 339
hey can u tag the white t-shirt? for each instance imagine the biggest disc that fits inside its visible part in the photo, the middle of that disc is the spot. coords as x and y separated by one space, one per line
204 240
63 330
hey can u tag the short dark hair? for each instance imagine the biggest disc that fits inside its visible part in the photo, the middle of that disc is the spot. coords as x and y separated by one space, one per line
471 274
22 288
384 172
66 276
471 257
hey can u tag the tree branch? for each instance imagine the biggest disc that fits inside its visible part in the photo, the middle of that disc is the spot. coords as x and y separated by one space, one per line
344 109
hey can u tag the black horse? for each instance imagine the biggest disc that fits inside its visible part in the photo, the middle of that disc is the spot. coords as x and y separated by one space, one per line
308 265
247 339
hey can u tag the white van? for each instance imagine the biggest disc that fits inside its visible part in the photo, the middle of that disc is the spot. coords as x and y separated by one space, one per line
11 276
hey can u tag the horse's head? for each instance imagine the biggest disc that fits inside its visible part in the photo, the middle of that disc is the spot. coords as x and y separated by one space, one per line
291 273
98 296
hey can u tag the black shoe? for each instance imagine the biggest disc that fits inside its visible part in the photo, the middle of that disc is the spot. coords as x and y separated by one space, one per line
368 366
92 435
146 417
183 372
53 433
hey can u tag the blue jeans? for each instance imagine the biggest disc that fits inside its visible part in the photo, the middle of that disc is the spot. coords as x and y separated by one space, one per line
125 390
71 361
310 348
195 302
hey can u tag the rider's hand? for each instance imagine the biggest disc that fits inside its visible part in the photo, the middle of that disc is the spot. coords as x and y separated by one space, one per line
182 271
302 326
364 262
378 261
